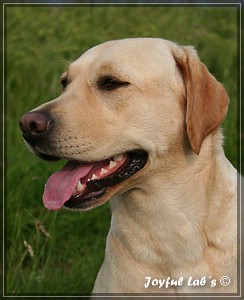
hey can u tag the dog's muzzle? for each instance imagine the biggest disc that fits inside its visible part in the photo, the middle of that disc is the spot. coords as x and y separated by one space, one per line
79 184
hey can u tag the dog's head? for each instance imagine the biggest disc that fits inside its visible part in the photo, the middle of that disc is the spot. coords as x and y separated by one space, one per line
123 104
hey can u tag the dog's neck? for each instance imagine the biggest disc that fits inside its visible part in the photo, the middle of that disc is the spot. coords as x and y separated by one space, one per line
168 213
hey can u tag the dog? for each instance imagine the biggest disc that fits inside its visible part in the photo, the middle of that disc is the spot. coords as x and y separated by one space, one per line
139 122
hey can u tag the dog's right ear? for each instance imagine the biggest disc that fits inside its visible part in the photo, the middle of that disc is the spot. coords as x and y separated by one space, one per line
206 98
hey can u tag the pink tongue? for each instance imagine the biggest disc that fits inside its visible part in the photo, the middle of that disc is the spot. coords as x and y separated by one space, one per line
60 186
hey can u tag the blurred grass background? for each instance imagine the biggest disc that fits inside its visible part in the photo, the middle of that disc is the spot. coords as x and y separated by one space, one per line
61 252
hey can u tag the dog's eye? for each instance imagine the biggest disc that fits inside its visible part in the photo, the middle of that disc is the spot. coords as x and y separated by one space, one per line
109 83
64 82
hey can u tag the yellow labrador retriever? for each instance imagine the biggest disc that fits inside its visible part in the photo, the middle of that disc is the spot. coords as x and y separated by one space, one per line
139 119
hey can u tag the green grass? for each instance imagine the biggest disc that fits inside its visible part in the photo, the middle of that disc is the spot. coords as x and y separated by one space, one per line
69 247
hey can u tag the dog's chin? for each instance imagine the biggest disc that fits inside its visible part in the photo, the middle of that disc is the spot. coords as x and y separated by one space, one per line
76 204
99 189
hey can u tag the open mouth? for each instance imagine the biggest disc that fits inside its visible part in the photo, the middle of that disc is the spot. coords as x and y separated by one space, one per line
79 185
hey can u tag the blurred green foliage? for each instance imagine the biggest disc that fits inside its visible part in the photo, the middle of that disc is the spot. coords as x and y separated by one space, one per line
39 43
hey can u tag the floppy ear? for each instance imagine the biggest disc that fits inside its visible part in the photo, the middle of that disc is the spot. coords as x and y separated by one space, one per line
206 98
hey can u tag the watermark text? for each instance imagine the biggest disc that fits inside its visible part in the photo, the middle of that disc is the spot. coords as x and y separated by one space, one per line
190 281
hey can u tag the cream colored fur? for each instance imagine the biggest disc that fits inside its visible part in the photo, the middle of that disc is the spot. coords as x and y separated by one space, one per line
177 216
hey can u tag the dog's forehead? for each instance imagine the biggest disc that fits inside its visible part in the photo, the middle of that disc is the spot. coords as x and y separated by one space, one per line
137 54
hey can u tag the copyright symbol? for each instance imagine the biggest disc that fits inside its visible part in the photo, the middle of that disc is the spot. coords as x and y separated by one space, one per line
225 280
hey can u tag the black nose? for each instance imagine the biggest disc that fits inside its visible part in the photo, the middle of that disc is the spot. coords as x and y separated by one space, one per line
34 124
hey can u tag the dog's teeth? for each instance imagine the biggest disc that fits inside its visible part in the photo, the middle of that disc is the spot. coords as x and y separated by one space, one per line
94 176
111 164
118 157
80 187
103 171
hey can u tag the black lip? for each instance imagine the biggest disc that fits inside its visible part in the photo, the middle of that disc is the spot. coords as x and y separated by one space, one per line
78 202
136 161
97 188
42 155
47 157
